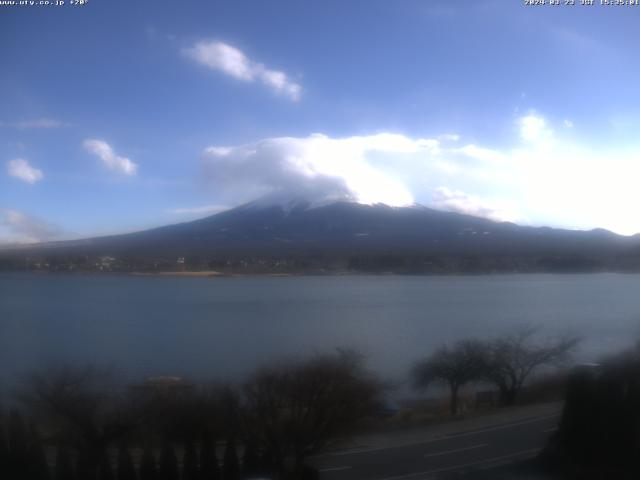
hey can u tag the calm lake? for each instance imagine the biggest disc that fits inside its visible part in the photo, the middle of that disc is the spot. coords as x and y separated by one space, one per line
225 327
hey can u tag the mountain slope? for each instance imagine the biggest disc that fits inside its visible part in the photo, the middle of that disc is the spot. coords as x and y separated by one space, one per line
347 230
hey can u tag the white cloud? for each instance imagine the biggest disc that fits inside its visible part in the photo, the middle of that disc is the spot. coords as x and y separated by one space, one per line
18 227
223 57
544 176
109 158
451 137
232 61
480 153
37 123
317 168
20 169
568 123
547 177
460 202
201 210
533 128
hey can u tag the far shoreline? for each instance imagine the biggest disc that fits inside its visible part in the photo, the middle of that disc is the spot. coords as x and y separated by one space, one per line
202 273
219 274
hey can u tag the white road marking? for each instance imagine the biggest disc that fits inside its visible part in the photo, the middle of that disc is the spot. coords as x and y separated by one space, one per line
464 465
442 438
447 452
334 469
499 427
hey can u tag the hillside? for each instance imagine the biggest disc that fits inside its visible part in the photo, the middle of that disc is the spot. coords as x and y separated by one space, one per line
345 236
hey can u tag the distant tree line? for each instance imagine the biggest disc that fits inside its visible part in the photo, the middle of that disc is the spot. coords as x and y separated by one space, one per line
325 262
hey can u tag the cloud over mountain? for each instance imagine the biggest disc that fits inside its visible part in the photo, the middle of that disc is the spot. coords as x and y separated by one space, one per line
460 202
317 168
19 227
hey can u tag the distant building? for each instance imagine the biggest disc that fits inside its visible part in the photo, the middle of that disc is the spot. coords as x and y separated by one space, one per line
181 264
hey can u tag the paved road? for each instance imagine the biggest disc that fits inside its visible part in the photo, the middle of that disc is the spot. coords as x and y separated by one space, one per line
439 457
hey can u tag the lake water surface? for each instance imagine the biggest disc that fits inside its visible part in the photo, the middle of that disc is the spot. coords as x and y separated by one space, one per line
225 327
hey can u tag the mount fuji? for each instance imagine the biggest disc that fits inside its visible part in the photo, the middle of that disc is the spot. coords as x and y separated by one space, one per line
340 235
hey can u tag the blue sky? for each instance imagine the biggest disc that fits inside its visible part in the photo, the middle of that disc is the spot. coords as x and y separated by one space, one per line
117 116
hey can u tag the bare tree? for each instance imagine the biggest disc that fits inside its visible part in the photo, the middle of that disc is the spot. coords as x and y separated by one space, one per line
456 366
190 415
4 447
126 467
81 407
64 467
168 463
148 465
209 468
292 411
512 358
190 462
231 462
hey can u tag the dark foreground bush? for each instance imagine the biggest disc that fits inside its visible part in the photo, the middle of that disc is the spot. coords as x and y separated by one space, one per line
101 430
599 434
